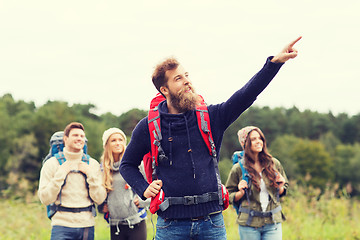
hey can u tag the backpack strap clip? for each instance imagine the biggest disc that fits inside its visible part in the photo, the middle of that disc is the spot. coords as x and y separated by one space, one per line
253 213
188 200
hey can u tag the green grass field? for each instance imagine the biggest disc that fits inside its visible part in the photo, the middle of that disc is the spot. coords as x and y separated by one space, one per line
307 218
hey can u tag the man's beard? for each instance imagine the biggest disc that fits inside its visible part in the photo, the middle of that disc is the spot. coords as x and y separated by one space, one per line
184 101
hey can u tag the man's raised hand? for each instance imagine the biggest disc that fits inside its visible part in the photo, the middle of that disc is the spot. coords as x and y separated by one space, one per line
287 53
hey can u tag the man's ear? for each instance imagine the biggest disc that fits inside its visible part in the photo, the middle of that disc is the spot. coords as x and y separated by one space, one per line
164 91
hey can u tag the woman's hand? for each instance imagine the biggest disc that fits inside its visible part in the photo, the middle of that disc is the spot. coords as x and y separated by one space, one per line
105 208
280 180
242 185
137 202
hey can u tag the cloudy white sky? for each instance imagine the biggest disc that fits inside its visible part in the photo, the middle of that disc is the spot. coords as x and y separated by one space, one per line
104 52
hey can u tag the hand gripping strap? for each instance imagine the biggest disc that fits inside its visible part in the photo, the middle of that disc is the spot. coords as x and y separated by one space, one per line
225 197
156 202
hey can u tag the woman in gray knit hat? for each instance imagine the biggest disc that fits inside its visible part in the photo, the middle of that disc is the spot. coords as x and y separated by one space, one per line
124 210
260 214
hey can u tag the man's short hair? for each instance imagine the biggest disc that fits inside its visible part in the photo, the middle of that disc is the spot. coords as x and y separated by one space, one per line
158 77
72 125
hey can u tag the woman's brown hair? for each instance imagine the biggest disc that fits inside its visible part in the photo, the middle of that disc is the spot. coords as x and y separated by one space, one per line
265 159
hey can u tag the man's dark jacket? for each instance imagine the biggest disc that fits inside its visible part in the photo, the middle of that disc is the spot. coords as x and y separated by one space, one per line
189 173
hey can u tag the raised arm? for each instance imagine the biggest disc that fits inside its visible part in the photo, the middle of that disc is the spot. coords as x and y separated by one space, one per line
230 110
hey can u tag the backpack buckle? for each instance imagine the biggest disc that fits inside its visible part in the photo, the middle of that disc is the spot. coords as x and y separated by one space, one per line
190 200
252 213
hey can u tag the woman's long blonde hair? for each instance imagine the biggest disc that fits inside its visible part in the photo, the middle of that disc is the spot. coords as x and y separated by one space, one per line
107 161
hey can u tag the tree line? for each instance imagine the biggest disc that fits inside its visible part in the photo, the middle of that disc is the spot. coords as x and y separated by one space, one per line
315 148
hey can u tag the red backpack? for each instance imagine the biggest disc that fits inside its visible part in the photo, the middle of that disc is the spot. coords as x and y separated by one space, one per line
151 158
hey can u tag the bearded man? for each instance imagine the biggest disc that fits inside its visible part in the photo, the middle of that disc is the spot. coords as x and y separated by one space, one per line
188 170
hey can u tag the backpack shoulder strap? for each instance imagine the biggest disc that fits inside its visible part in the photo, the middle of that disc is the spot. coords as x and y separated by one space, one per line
203 119
154 130
237 156
245 173
86 158
234 158
60 157
155 137
240 154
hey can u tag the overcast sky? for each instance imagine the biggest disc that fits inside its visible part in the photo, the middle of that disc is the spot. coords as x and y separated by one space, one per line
104 52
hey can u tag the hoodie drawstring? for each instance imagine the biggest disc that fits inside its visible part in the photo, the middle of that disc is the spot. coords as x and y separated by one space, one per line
189 150
117 229
170 139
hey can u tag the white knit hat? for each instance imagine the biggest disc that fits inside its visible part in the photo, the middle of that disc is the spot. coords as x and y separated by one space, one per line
110 132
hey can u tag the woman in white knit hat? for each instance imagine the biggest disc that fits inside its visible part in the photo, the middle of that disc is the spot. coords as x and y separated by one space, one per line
260 214
124 210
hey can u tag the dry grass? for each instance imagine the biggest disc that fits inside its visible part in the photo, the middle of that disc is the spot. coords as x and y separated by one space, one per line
308 217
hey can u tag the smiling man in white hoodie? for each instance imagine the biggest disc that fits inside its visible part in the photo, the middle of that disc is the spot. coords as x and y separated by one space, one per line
80 184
